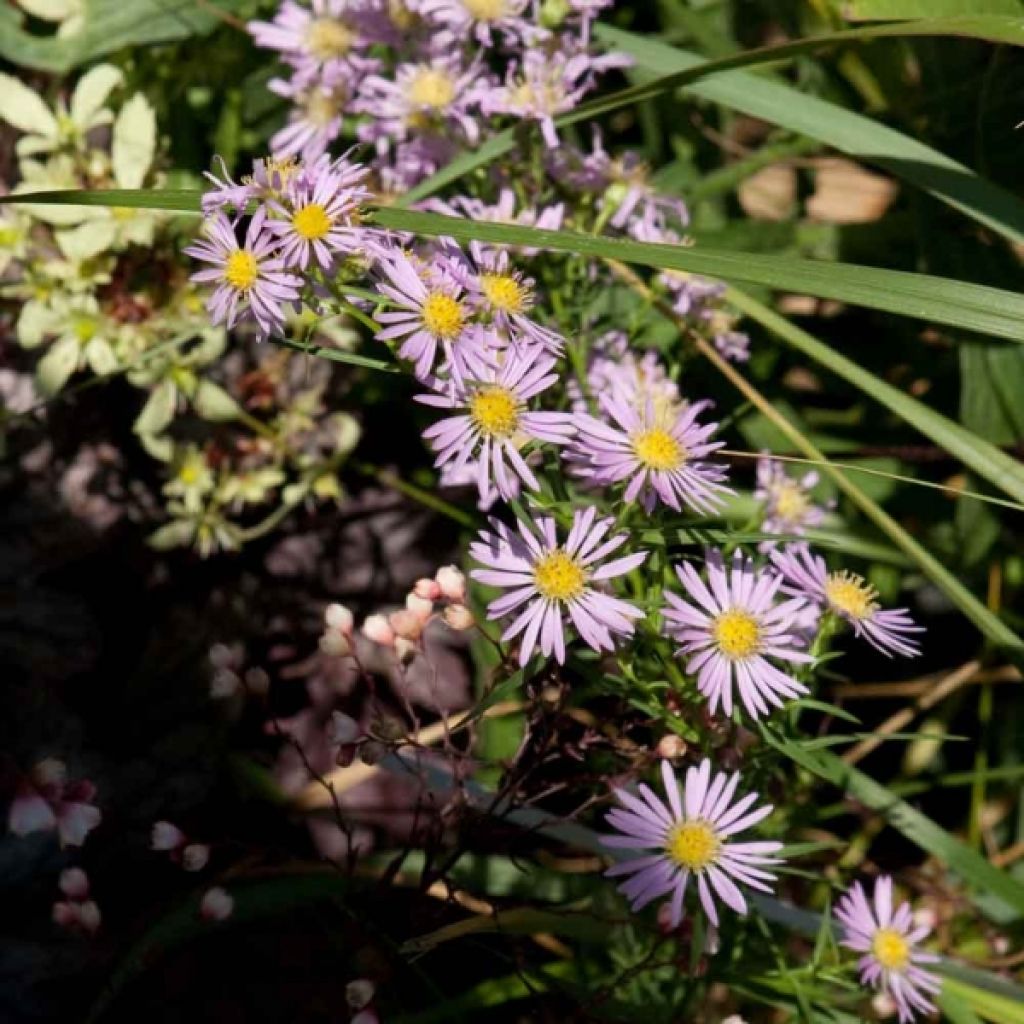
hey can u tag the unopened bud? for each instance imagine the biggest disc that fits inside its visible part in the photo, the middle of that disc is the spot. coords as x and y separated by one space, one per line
166 836
671 746
335 644
195 856
459 617
74 883
883 1005
407 625
553 13
452 583
376 628
89 916
216 905
421 607
359 992
338 617
429 590
405 649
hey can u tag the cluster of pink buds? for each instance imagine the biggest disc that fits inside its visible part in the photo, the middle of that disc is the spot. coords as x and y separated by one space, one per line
46 801
402 630
168 838
76 912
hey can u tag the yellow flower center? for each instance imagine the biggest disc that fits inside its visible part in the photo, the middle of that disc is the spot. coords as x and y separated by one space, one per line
658 449
431 87
847 592
790 502
85 328
891 949
495 410
504 292
311 222
736 633
693 845
9 237
485 10
241 270
400 15
327 38
322 108
559 577
442 315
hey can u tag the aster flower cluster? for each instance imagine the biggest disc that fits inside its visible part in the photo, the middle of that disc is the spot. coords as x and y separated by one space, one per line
420 79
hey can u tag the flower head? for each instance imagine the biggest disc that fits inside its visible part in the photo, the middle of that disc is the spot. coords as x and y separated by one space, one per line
494 422
555 580
659 452
731 629
850 597
481 18
690 835
788 504
888 940
251 277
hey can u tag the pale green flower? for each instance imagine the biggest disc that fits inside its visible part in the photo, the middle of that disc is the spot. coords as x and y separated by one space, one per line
192 480
252 487
14 236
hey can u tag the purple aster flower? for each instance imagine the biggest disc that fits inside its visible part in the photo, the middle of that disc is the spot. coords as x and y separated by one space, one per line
313 123
502 212
556 580
732 345
788 505
494 422
850 597
480 18
433 97
466 475
888 940
543 85
250 275
691 836
506 297
318 216
659 451
731 629
432 311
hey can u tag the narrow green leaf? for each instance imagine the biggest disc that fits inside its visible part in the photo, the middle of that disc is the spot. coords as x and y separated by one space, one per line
992 1006
181 200
969 864
973 451
897 10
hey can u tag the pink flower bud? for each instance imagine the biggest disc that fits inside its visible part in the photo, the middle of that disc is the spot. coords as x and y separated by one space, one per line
74 883
166 836
335 644
195 856
405 649
407 625
89 916
339 618
429 590
216 905
459 617
452 583
65 915
671 746
359 992
376 628
420 607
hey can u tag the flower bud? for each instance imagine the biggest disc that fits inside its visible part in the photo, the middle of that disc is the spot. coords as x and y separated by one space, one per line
429 590
671 746
216 905
459 617
405 649
335 644
74 883
452 583
166 836
339 618
883 1005
359 992
376 628
421 607
89 916
195 856
407 625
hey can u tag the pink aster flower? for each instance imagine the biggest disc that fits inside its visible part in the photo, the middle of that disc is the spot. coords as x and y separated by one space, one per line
432 312
888 941
731 629
659 451
314 121
506 298
46 801
690 835
318 216
480 18
555 580
494 422
849 596
432 97
788 505
250 276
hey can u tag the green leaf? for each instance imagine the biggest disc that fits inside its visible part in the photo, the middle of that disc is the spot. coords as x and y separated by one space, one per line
158 411
213 403
941 300
897 10
850 133
107 25
975 869
984 458
992 1006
